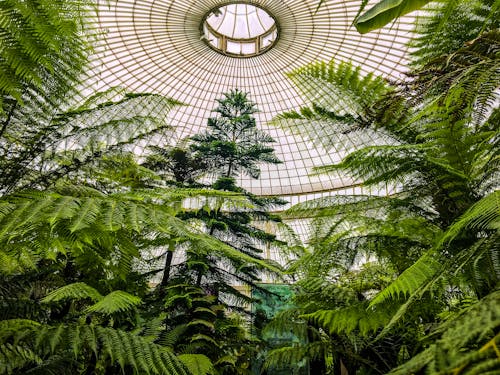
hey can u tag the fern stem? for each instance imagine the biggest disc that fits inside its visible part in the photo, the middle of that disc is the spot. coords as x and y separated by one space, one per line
8 119
168 266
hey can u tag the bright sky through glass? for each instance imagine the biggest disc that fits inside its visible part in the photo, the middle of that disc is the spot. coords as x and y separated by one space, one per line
155 46
240 21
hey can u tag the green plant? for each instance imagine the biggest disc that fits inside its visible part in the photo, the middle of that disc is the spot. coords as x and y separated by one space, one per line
435 142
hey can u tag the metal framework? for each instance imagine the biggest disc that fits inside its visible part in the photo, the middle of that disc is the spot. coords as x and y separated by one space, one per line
157 46
240 30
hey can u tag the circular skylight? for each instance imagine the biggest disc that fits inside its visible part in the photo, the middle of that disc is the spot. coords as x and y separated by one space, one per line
240 30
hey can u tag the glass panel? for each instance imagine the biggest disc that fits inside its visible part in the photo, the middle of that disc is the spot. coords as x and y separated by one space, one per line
156 46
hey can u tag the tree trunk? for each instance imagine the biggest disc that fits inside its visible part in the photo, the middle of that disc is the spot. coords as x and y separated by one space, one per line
168 263
166 269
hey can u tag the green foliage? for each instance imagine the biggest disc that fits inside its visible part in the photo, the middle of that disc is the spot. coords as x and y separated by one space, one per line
115 302
451 25
41 147
42 47
197 364
73 291
384 12
454 343
199 329
434 140
232 142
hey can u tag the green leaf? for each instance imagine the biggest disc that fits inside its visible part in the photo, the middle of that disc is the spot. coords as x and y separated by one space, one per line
384 12
114 302
197 364
73 291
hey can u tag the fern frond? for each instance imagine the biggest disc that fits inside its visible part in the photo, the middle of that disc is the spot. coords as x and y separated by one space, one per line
295 356
120 347
411 279
115 302
483 215
198 364
345 320
457 339
73 291
15 357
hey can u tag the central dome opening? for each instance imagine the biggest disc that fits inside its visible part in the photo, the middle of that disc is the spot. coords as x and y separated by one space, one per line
240 30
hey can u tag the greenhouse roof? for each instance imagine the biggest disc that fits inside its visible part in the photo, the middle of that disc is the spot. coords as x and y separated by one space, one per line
196 50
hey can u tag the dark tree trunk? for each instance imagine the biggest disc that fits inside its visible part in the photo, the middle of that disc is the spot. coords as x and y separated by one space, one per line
168 266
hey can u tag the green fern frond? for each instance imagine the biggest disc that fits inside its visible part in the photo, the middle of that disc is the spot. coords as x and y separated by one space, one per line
339 88
73 291
456 339
483 215
295 356
200 337
376 164
120 347
115 302
38 40
451 24
197 364
15 357
12 327
345 320
411 279
201 322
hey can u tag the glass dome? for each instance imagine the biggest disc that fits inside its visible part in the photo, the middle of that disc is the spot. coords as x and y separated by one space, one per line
240 30
160 46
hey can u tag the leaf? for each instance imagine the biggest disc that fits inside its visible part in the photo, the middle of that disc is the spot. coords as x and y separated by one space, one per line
117 301
73 291
483 215
384 12
197 364
411 279
202 337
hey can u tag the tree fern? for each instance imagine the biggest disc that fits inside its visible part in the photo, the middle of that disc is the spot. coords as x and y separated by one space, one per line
41 40
341 99
115 302
64 142
120 347
73 291
455 348
451 24
197 364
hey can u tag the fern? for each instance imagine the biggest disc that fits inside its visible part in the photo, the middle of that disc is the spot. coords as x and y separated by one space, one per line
455 339
483 215
73 291
411 279
115 302
13 357
40 42
197 364
120 347
296 356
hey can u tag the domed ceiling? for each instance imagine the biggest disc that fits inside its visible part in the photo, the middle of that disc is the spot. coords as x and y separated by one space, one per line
196 50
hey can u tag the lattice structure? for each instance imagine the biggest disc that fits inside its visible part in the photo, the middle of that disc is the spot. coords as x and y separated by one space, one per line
160 46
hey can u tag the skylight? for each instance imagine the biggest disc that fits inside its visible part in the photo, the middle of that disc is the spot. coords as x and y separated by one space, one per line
240 30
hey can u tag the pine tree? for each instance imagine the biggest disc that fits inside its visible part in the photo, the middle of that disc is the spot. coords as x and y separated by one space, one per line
232 142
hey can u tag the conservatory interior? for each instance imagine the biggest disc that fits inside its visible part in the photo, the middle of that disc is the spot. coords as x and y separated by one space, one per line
196 187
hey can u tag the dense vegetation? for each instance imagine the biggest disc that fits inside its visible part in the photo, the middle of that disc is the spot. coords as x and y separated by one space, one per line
113 264
407 282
